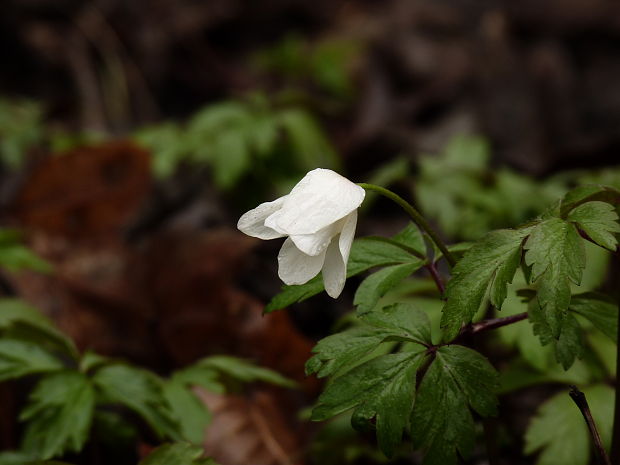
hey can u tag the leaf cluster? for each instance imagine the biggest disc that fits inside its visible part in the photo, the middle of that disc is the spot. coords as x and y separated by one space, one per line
419 389
76 394
237 138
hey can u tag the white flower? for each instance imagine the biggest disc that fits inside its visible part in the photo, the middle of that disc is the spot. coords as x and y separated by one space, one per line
319 217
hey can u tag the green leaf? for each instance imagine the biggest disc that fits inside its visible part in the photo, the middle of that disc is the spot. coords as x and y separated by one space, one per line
559 431
58 415
556 255
190 412
177 454
401 321
382 388
18 257
141 391
198 375
19 358
18 320
366 253
489 263
411 237
600 310
587 193
244 371
569 345
341 351
379 283
457 380
599 221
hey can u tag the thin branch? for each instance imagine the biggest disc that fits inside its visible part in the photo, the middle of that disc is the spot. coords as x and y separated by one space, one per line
492 323
432 269
580 400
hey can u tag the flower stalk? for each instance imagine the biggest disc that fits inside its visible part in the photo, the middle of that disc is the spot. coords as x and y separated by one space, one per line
415 216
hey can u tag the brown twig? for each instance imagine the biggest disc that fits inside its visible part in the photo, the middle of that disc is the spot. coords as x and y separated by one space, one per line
441 287
580 400
492 323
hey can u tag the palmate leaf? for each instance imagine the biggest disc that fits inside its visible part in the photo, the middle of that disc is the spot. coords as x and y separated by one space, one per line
140 391
556 257
560 433
58 415
457 380
489 264
599 221
366 253
402 322
382 388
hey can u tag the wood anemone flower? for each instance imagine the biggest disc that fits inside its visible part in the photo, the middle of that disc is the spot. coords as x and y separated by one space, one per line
318 218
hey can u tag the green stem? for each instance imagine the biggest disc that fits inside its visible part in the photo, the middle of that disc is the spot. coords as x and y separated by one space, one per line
417 218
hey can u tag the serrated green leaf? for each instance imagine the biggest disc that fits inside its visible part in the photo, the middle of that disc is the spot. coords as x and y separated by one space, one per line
19 358
189 411
382 388
599 221
489 263
141 391
379 283
58 415
556 255
457 380
560 432
366 253
587 193
342 350
245 371
569 345
600 310
402 322
177 454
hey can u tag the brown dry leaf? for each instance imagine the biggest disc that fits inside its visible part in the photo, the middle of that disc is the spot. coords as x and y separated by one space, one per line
249 430
89 191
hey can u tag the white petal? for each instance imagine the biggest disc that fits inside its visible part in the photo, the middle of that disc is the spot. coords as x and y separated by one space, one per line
321 198
337 256
252 223
314 244
295 267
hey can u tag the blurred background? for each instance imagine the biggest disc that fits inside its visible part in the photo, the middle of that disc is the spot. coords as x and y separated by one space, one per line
133 134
